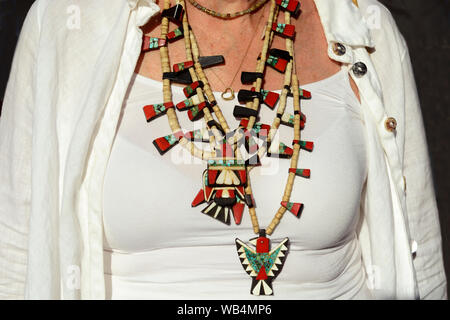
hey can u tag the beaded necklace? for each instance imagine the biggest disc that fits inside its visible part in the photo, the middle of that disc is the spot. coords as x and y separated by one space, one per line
216 14
226 186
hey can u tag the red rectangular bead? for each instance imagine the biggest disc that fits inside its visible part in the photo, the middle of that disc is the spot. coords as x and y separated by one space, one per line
288 29
271 99
281 65
182 66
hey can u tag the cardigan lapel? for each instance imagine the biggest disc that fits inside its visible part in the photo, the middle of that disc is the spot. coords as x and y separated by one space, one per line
108 52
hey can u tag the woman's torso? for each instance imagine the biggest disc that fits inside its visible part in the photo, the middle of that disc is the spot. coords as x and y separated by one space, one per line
157 246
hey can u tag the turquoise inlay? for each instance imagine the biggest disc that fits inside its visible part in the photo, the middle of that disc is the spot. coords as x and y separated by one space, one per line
171 139
227 162
189 91
271 60
271 259
198 135
257 127
257 260
194 110
159 108
264 93
178 32
189 103
206 178
254 260
290 122
281 27
285 3
282 148
154 43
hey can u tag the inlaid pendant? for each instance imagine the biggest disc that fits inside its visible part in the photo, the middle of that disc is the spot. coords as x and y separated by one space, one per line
262 264
223 188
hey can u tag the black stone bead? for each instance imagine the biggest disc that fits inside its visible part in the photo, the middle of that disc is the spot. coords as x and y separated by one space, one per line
250 77
283 54
249 201
174 13
225 202
214 123
248 95
210 61
179 77
244 112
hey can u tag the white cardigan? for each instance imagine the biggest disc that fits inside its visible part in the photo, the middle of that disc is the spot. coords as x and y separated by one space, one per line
60 113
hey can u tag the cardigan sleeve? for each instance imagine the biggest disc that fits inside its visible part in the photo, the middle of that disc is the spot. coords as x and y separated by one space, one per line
421 203
394 68
16 126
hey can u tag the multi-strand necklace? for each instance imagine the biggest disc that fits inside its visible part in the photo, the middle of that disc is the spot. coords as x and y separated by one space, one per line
232 153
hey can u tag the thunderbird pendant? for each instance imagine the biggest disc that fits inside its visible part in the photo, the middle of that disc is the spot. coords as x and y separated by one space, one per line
263 265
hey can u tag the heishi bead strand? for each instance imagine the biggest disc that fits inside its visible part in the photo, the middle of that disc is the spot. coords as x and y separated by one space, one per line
167 93
262 62
206 85
281 106
297 134
261 151
207 115
255 104
228 15
289 76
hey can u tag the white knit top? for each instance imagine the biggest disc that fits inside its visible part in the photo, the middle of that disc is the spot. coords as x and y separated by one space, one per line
158 247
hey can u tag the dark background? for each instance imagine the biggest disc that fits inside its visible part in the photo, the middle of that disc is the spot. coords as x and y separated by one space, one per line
425 26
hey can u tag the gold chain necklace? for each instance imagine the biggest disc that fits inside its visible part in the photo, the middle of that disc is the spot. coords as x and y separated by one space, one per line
213 13
226 183
228 94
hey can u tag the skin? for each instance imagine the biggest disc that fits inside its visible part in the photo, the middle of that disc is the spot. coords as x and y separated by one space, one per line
234 38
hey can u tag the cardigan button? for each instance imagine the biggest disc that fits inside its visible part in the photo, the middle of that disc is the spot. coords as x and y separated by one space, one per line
359 69
390 124
339 49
